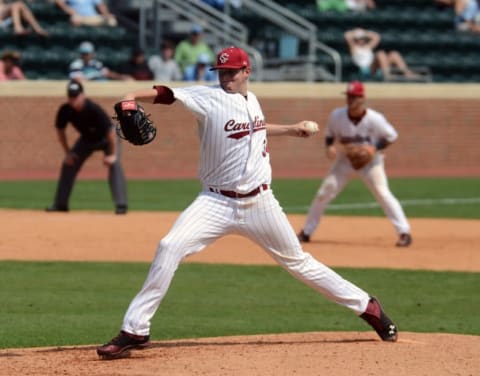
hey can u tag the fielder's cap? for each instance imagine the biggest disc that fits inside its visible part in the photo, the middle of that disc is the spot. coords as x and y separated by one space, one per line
74 88
86 48
232 58
355 88
196 29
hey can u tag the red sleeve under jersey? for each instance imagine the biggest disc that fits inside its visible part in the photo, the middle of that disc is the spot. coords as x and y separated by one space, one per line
164 95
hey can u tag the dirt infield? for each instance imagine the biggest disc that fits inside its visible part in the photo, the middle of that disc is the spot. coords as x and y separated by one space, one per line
342 241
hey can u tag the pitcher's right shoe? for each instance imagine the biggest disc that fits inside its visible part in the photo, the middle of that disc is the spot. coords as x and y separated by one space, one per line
379 321
120 346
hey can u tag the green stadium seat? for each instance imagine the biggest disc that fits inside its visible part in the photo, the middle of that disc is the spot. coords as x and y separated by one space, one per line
417 28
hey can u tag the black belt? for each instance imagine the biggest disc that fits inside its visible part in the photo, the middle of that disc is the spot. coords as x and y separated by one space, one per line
233 194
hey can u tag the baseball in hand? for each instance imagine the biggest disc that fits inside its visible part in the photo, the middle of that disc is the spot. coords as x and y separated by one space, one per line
311 126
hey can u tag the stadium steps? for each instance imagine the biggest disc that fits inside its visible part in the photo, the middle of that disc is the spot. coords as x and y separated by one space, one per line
423 33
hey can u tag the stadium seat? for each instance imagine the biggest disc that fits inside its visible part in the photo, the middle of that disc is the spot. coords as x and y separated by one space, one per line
419 30
49 58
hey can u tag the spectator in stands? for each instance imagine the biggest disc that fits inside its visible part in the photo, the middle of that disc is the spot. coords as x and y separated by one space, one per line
164 67
137 66
376 65
88 68
332 5
189 50
467 14
16 12
9 66
200 71
87 12
217 4
360 5
220 4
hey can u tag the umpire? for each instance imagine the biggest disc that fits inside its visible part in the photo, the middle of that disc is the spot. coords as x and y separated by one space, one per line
96 133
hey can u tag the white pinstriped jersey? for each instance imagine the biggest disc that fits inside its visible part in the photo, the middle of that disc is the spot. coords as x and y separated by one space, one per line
234 157
233 138
369 130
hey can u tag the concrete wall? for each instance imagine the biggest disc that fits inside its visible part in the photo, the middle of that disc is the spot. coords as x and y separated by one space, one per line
438 126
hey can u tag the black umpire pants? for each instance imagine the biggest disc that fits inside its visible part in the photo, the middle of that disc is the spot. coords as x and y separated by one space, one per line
83 149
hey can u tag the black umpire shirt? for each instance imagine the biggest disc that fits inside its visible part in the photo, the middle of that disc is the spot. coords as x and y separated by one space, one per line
91 122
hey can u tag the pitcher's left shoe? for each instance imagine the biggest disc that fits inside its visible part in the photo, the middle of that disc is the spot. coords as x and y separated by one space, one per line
120 346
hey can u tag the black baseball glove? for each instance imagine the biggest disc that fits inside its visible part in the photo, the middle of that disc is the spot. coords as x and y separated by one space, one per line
134 124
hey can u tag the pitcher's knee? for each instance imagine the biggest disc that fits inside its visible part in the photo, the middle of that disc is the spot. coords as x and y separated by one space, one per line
168 244
297 263
173 248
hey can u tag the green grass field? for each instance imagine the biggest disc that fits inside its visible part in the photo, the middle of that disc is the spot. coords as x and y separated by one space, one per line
82 303
67 303
426 197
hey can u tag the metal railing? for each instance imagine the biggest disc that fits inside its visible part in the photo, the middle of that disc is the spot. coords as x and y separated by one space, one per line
225 29
229 31
301 28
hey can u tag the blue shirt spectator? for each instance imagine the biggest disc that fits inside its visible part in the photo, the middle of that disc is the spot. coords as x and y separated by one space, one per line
84 7
201 70
220 4
87 12
466 13
88 68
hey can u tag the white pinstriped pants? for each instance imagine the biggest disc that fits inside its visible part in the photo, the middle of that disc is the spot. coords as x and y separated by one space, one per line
374 177
258 218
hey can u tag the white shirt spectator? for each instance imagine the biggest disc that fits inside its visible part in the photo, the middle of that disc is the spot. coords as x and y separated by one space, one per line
164 71
360 5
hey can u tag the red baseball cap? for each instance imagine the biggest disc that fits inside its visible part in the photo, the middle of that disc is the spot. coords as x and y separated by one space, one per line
231 58
355 88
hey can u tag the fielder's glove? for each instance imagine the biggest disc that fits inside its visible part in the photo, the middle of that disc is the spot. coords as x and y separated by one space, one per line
359 155
134 124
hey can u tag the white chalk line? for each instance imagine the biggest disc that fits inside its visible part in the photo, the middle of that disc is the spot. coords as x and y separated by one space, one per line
413 202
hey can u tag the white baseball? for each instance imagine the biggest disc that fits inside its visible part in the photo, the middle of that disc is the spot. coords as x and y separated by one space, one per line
311 126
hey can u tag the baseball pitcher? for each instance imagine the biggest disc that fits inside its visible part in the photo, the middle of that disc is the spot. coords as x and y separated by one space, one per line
236 198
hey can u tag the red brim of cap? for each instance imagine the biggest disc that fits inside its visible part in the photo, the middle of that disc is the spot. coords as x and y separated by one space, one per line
226 66
353 94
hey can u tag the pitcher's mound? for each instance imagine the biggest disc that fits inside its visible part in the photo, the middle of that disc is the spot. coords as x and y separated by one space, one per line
306 354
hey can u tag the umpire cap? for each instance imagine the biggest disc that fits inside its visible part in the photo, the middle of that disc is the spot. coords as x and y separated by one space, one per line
74 88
